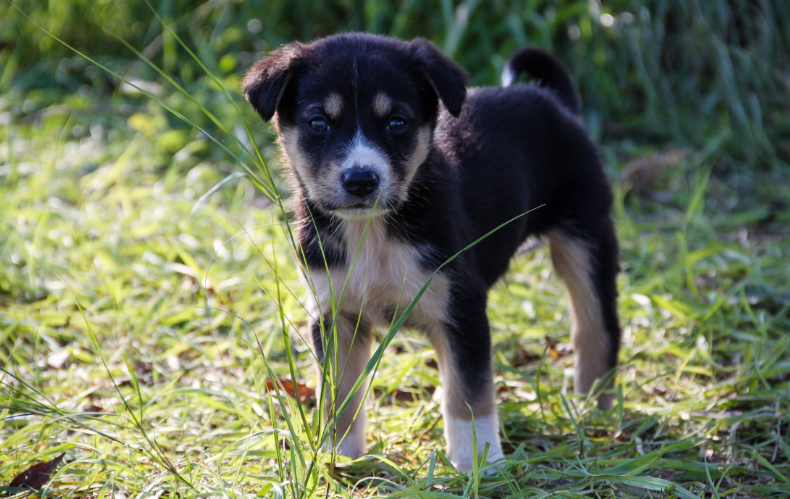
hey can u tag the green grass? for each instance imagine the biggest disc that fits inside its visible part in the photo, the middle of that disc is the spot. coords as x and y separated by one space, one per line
141 321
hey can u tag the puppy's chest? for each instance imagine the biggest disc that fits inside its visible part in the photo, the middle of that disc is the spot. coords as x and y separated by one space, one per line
381 275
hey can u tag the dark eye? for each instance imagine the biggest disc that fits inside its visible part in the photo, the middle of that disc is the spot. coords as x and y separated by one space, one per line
319 124
396 124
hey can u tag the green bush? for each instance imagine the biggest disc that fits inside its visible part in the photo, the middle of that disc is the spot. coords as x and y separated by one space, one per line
649 69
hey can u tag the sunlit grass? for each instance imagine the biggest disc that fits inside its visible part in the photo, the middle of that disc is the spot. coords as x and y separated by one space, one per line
144 324
703 372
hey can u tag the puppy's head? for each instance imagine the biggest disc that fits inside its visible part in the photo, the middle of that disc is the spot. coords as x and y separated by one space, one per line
355 115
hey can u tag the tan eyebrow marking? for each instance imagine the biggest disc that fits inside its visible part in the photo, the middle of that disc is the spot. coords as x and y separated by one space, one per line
382 104
333 105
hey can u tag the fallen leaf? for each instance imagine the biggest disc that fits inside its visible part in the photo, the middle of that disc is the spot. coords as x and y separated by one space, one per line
295 390
93 408
37 475
556 349
524 357
410 396
642 174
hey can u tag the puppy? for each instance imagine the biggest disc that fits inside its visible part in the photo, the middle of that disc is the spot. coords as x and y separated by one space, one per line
397 167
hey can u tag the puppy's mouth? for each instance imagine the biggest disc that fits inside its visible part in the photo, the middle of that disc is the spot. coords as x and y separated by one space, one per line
359 211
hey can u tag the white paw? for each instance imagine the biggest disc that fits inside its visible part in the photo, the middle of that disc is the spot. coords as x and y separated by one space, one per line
352 446
494 460
458 433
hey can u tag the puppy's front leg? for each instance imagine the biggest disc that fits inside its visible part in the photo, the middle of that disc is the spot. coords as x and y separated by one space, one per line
343 353
463 348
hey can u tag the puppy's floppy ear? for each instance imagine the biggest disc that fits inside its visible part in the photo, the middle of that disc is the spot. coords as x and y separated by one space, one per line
447 79
264 83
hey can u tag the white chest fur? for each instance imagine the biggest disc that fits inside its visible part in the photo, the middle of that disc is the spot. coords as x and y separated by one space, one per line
381 276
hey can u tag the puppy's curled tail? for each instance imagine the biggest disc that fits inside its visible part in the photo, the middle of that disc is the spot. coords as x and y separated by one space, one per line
547 70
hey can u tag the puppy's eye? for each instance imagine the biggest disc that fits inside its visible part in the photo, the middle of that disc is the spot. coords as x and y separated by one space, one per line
396 124
319 124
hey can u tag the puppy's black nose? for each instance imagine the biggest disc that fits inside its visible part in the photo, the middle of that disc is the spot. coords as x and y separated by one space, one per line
360 182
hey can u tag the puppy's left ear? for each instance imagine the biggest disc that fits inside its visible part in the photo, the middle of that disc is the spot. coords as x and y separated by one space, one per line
264 83
447 79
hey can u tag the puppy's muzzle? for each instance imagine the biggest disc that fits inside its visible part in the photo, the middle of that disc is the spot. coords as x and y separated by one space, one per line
360 182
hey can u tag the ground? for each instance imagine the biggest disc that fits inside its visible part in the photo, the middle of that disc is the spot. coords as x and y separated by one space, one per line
150 322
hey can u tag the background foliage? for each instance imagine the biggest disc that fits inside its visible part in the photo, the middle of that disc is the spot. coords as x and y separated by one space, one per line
101 181
663 71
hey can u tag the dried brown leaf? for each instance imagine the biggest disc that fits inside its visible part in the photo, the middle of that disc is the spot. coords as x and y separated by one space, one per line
410 396
295 390
37 475
642 174
556 349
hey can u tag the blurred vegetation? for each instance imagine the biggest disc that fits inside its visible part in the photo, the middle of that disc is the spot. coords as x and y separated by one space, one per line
695 73
162 387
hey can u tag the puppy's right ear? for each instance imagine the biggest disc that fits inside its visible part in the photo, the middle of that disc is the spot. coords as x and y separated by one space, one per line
447 79
265 82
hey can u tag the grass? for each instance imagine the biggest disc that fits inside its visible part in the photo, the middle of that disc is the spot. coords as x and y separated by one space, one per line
142 323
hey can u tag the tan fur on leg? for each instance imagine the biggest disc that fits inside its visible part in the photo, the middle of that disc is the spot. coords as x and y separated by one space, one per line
571 259
344 363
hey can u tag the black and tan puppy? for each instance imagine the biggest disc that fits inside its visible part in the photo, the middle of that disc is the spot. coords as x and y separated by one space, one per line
383 131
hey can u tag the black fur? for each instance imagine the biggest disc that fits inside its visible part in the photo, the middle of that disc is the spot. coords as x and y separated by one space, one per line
495 154
266 81
446 78
546 71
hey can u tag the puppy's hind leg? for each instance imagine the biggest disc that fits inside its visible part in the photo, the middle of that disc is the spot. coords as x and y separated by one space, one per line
587 263
343 353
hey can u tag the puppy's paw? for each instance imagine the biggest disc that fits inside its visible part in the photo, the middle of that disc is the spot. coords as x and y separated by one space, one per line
462 465
351 447
352 440
460 447
605 402
494 461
